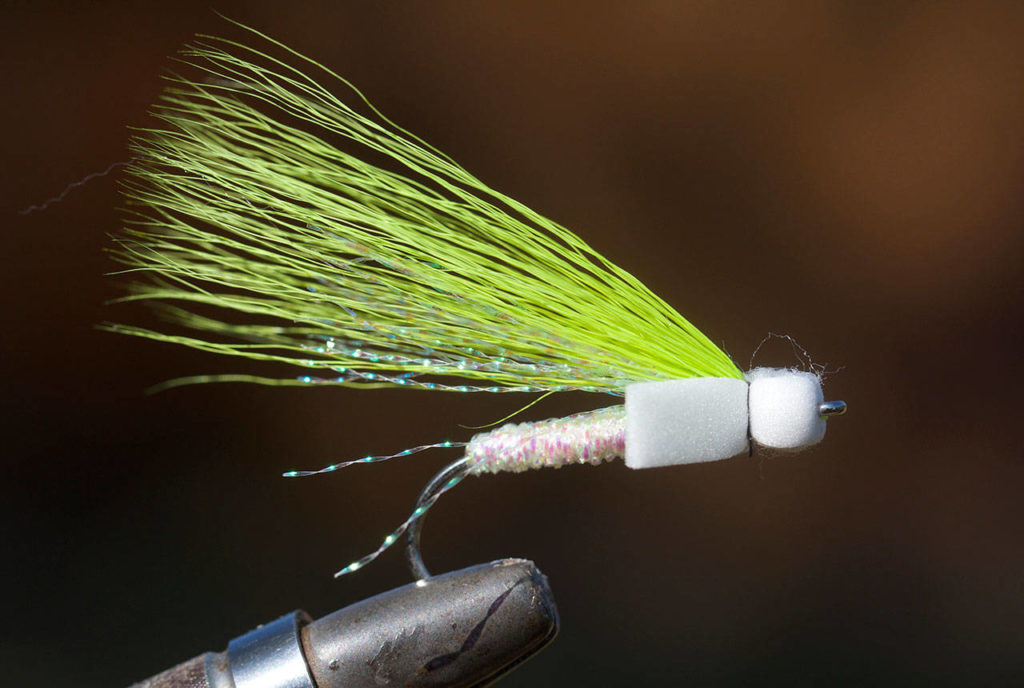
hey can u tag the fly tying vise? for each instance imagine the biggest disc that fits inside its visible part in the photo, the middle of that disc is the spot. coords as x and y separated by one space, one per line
395 267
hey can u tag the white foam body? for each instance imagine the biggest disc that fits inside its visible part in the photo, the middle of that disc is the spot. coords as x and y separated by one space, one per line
706 419
685 421
784 408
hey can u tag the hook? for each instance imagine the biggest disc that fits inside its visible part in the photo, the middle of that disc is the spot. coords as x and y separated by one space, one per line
439 484
832 408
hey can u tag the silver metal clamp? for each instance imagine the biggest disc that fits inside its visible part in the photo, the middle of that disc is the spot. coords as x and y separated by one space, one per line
271 656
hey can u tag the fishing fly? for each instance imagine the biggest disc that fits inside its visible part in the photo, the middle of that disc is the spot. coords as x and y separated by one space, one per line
272 220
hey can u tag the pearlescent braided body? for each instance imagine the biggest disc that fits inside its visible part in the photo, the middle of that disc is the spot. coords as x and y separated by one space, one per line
587 438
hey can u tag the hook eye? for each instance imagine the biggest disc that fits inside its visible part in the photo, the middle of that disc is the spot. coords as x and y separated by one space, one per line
832 408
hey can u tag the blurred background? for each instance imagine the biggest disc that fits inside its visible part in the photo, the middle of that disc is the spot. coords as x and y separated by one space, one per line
850 174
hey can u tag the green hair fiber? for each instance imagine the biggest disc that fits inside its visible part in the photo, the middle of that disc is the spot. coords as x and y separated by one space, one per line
273 220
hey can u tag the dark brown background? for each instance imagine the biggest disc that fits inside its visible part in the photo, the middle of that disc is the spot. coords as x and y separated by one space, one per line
851 176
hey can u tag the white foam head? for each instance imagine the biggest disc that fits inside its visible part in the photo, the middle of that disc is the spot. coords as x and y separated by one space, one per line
785 408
